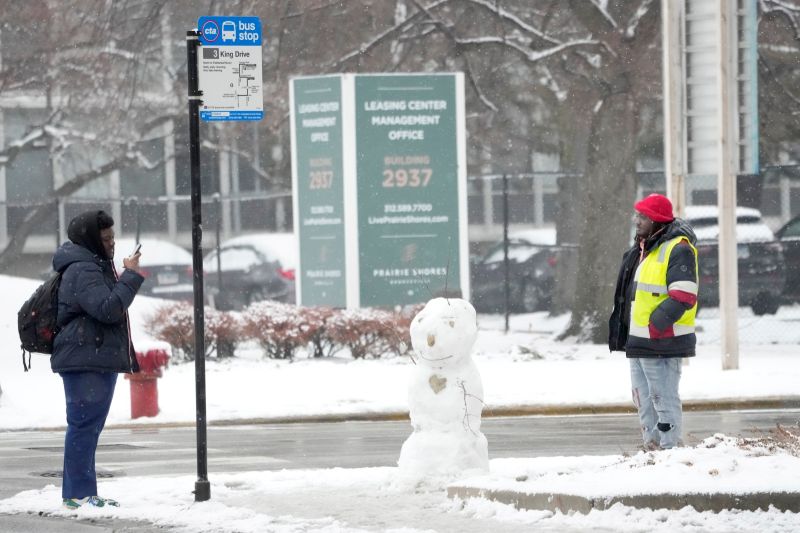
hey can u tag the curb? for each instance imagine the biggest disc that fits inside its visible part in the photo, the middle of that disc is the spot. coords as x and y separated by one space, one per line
566 503
722 404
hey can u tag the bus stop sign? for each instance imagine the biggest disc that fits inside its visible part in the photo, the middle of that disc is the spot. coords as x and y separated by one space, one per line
230 68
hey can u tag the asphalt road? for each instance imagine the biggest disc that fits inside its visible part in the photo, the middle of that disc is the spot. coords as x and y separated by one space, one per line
32 459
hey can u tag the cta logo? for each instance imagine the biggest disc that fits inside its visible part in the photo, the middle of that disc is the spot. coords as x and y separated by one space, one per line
210 31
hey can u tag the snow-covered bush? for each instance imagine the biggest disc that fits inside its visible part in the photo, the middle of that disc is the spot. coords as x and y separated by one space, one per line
366 332
174 323
319 321
225 329
279 328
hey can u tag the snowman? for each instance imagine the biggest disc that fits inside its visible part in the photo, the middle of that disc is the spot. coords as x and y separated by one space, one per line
445 394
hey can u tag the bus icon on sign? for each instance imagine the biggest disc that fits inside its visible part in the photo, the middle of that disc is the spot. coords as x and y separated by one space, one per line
228 31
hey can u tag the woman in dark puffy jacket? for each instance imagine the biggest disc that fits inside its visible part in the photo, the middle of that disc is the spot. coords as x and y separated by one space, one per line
93 344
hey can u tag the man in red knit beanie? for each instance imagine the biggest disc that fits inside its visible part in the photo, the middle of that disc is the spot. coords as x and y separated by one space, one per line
655 303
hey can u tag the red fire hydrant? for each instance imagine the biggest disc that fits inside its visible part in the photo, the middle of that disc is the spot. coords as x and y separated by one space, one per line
144 384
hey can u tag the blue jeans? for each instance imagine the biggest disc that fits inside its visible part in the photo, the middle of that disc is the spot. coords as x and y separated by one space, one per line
88 396
654 386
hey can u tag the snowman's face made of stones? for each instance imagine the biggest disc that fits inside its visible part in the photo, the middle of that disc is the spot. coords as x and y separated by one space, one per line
444 331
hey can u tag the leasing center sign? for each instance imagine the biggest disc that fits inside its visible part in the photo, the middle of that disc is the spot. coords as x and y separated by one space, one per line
402 187
318 185
408 187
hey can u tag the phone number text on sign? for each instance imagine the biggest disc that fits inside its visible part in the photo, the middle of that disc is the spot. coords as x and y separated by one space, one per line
407 208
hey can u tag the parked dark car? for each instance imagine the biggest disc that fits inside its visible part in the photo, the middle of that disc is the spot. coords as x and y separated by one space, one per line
762 273
532 256
254 267
789 236
167 267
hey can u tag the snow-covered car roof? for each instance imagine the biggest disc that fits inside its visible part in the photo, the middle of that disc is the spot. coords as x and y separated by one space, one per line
517 253
758 232
542 236
749 226
523 244
281 247
155 252
711 212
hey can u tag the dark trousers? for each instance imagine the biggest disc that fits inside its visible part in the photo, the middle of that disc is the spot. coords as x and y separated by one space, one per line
88 396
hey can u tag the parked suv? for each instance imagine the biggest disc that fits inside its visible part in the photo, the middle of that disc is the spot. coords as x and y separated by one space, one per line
255 267
789 236
762 273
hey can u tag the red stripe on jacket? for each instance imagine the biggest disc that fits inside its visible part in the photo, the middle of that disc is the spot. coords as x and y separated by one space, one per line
683 297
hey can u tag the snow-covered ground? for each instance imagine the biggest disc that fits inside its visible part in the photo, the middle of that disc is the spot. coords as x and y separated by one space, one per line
525 367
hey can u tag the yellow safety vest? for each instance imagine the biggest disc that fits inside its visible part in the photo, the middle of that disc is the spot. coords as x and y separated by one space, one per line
651 289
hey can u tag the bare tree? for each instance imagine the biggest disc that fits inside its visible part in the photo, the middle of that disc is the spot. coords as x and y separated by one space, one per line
588 68
779 79
90 65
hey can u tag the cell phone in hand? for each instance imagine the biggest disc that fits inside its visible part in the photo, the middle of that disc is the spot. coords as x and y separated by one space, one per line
136 250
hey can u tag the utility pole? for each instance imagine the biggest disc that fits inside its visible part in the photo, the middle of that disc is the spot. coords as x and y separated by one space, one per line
726 187
673 83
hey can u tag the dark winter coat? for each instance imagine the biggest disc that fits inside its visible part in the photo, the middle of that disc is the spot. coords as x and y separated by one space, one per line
682 267
93 313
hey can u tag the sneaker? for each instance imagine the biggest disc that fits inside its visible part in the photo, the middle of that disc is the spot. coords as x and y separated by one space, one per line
73 503
100 502
93 501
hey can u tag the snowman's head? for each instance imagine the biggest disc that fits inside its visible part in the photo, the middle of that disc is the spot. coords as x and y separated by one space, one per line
444 331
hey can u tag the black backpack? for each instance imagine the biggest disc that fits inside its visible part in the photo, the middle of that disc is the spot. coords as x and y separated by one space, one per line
36 319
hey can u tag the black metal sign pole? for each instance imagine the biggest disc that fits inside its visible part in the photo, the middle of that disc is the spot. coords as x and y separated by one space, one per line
202 488
506 266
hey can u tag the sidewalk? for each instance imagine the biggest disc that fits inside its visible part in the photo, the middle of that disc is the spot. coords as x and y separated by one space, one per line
566 503
522 499
551 493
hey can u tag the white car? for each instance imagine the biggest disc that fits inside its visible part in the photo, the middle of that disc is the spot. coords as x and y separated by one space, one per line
167 267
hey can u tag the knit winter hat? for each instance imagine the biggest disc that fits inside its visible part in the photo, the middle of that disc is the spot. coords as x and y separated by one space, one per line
656 207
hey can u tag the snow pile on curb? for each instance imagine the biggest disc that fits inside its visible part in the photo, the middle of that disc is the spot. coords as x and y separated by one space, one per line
719 464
